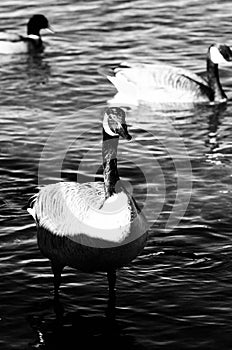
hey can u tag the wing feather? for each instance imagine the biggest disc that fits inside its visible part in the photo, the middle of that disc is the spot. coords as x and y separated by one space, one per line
81 211
4 36
147 80
59 204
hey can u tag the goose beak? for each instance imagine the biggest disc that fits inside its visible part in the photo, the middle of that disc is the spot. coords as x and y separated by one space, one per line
229 58
123 132
128 137
228 62
49 29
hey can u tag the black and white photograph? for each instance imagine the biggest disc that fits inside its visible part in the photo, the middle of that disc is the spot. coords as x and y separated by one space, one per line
116 175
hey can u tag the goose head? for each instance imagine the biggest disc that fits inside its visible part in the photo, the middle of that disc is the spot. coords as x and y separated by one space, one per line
220 54
36 23
114 123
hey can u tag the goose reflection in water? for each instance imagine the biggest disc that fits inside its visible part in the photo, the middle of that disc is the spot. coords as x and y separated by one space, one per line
38 70
28 74
72 330
214 154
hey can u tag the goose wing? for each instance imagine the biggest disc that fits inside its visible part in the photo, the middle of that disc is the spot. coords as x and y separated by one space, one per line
16 44
57 204
82 212
14 38
143 78
4 36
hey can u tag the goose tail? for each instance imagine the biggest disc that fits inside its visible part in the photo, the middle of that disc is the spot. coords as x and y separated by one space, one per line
117 75
112 70
127 90
107 70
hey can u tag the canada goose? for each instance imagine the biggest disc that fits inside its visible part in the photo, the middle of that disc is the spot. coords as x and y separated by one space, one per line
32 42
94 226
166 84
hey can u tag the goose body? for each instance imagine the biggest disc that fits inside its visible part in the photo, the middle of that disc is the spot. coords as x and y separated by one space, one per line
85 231
82 213
11 43
93 226
160 83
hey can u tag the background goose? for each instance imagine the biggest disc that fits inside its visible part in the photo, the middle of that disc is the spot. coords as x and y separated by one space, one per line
166 84
32 42
95 226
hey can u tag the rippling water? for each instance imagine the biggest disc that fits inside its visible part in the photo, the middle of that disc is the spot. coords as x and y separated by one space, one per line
177 293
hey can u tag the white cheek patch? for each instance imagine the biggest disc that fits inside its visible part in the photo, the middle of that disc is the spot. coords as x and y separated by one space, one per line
106 126
33 37
216 56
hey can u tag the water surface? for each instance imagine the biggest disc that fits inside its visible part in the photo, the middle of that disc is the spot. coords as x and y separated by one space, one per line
177 293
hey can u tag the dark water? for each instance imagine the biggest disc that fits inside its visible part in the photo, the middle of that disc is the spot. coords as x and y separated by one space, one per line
178 293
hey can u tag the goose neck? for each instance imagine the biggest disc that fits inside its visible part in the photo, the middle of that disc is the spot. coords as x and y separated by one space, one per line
110 170
214 80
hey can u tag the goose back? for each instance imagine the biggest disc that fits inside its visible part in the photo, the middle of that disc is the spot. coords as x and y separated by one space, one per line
160 83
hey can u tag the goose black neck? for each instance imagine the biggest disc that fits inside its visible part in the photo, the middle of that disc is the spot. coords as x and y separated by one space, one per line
110 170
214 81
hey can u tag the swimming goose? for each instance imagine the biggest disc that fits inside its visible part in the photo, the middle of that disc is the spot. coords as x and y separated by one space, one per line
166 84
94 226
32 42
